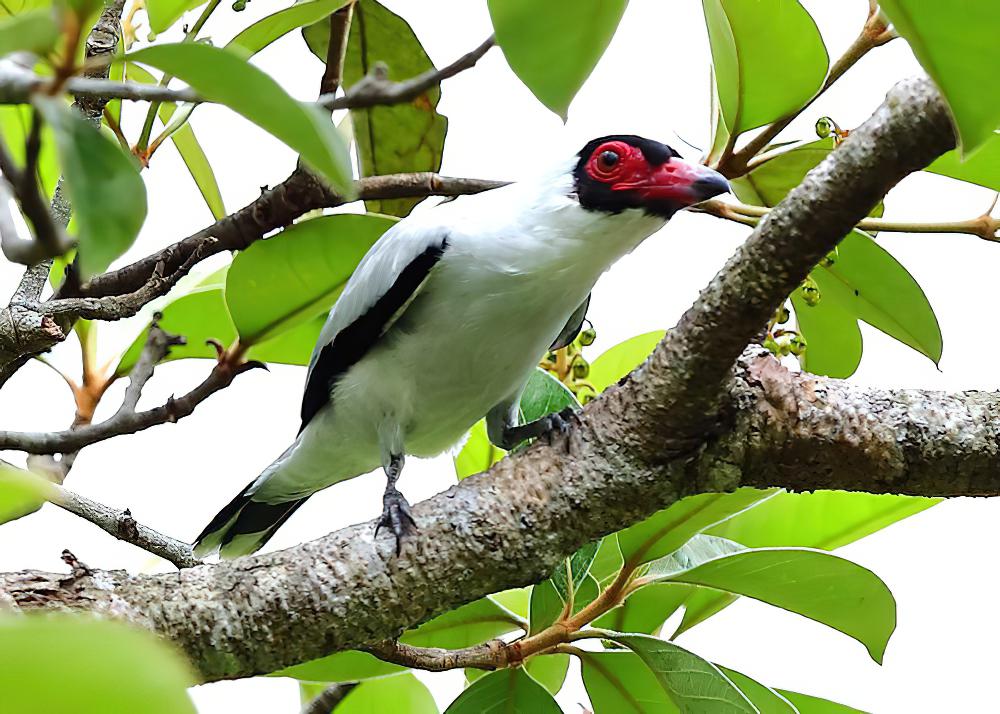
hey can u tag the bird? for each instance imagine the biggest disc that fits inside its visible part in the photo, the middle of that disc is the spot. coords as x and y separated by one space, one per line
445 318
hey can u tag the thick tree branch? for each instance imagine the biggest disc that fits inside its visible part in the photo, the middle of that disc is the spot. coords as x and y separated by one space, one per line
510 526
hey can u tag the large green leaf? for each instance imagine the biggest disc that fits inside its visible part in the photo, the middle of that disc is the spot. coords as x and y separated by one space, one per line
618 682
164 13
187 146
285 281
693 684
553 46
104 187
982 167
866 281
349 666
478 453
621 359
223 76
465 626
767 700
608 560
807 704
813 583
548 670
202 315
399 138
768 56
402 693
577 566
824 519
646 609
957 44
511 691
667 530
33 31
268 29
833 338
21 493
86 666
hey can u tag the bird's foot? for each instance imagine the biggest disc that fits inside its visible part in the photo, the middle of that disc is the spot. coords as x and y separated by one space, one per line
396 516
559 423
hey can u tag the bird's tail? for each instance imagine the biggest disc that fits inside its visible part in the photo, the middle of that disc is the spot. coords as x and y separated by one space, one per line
245 525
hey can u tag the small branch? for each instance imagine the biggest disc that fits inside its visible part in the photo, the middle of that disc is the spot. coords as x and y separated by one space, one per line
157 347
488 655
336 50
984 226
875 33
124 527
377 90
327 700
126 421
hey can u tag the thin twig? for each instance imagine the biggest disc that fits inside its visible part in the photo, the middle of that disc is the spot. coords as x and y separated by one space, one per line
984 226
329 698
488 655
124 527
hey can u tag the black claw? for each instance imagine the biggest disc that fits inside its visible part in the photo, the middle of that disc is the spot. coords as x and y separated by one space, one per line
397 517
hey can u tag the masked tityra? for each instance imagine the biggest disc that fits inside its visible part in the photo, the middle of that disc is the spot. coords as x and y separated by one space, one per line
446 317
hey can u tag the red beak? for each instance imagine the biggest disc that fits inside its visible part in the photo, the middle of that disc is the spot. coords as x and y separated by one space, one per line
678 182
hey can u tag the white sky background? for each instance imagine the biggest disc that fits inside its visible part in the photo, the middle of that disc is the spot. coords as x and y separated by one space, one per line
653 81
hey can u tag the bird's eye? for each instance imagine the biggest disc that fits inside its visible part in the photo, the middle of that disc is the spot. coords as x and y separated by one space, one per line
608 159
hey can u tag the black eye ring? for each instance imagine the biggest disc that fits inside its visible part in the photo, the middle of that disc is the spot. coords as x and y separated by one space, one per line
608 158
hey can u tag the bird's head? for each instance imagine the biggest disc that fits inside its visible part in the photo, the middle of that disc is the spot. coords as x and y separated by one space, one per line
618 172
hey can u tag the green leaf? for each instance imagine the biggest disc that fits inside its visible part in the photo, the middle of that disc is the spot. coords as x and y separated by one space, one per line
402 693
202 315
164 13
767 700
667 530
15 122
807 704
815 584
465 626
866 281
87 666
21 493
608 560
824 519
957 45
103 184
619 683
621 359
833 338
982 167
548 670
578 565
222 76
515 600
399 138
32 31
187 146
349 666
511 691
478 453
285 281
544 394
554 46
768 56
545 606
268 29
691 683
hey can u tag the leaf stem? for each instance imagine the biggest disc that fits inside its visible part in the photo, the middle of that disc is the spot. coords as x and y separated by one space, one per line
147 125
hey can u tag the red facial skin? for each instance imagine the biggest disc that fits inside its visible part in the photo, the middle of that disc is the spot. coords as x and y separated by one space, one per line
673 181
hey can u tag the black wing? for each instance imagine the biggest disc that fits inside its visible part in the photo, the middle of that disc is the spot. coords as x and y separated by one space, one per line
572 327
351 343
